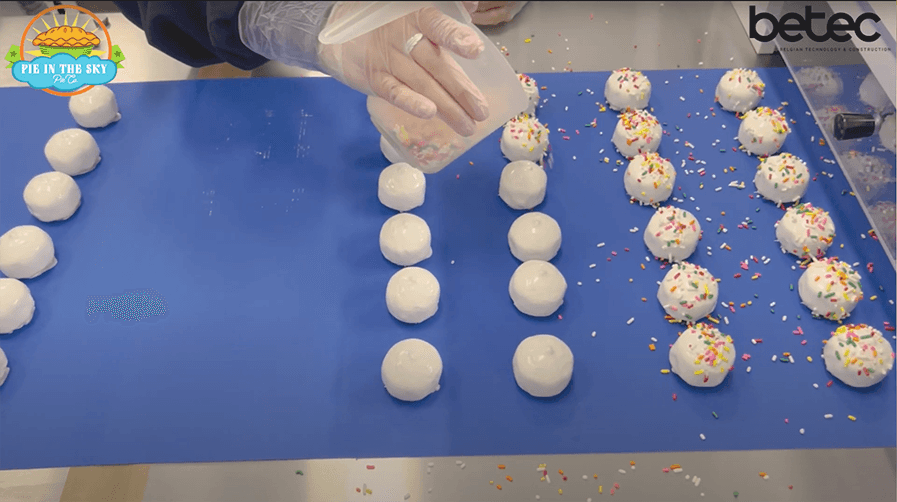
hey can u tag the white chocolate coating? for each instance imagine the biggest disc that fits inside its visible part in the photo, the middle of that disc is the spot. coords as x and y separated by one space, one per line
858 355
739 90
537 288
411 370
16 306
543 365
531 89
830 288
688 292
627 88
637 132
4 368
52 196
95 108
702 356
534 236
405 239
871 174
649 178
763 131
26 252
522 184
524 138
412 295
401 187
888 134
672 234
805 231
72 151
820 83
782 178
389 152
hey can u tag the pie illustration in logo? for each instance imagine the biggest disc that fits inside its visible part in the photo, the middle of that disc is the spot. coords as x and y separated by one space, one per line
70 40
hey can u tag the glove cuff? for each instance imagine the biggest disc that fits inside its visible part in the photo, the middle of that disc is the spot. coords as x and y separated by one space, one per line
285 31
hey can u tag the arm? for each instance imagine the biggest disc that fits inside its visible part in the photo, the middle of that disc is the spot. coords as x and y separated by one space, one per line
195 33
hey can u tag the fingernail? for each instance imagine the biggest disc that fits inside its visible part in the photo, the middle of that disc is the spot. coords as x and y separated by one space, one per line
466 127
472 45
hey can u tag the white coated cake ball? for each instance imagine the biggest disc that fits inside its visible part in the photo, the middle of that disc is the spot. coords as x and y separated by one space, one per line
637 132
820 83
52 196
26 252
522 184
884 217
72 151
389 152
627 88
4 368
534 236
524 138
888 134
688 292
763 131
872 93
826 118
805 231
95 108
401 187
739 90
830 288
405 239
16 306
649 178
412 295
531 89
858 355
672 234
702 356
537 288
411 370
543 365
782 178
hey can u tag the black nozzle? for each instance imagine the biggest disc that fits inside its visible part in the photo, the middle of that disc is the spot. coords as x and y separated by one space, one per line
854 125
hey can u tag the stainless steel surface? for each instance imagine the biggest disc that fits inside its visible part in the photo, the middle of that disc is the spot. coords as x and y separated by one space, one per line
642 35
811 475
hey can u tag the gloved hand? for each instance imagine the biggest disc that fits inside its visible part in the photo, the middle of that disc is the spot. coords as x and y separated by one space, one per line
490 13
424 81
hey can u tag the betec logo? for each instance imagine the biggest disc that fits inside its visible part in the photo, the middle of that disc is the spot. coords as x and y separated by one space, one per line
805 24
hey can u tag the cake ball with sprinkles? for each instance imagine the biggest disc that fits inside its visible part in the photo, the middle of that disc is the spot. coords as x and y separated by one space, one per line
672 234
739 90
688 292
782 178
627 88
763 131
649 178
702 356
830 288
884 215
821 84
870 174
637 132
805 231
524 138
531 89
858 355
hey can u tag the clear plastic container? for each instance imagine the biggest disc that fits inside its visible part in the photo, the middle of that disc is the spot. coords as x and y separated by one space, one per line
430 145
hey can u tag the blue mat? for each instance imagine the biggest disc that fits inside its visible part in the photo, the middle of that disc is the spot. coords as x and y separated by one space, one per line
246 212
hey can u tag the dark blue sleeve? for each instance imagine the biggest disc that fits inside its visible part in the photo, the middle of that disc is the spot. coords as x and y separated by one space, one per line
195 33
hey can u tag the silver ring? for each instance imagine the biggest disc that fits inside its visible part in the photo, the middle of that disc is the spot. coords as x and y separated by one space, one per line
412 42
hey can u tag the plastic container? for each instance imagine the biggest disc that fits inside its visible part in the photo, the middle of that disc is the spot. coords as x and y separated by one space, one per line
430 145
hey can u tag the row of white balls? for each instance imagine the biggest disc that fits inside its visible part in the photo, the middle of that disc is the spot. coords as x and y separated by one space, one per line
27 251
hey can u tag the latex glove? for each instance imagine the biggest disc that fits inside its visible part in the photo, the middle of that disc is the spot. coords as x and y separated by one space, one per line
490 13
284 31
427 82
